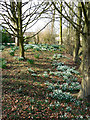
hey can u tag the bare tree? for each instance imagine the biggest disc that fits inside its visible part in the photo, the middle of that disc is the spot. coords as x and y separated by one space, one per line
85 85
77 39
16 21
61 41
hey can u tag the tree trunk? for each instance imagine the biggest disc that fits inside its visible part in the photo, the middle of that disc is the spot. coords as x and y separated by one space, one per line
16 41
76 48
21 40
53 20
17 33
85 85
61 41
21 47
77 40
14 21
52 28
37 38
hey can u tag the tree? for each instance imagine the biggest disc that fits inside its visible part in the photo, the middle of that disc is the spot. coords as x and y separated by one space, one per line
20 33
47 37
52 27
53 21
71 30
85 85
16 21
77 40
61 41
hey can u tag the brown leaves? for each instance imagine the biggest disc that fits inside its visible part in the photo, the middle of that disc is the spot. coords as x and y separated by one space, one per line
13 108
26 97
16 101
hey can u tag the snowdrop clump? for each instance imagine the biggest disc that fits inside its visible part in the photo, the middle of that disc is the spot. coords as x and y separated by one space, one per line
59 74
42 47
64 71
45 74
68 109
64 68
60 96
34 74
2 47
70 87
30 70
48 83
57 56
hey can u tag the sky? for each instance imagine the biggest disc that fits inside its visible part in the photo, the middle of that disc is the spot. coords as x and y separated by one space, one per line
41 23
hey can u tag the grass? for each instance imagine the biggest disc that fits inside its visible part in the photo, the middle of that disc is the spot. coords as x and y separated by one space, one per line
25 96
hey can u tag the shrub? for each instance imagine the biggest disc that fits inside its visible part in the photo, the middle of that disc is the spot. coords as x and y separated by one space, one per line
13 49
6 38
3 63
47 37
2 47
30 61
12 52
36 55
20 58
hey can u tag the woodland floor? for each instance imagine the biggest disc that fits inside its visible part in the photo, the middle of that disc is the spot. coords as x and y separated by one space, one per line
26 96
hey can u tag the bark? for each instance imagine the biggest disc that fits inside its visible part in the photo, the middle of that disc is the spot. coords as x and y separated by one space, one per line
85 85
77 41
37 38
61 41
17 33
53 20
16 41
21 47
21 40
52 28
76 48
71 15
14 21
